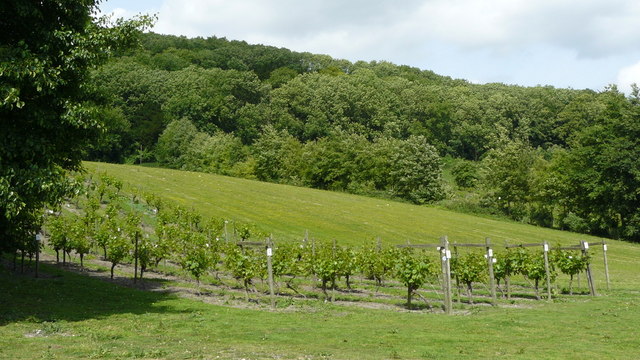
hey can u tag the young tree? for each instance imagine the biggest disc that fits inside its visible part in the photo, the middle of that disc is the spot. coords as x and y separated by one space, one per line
470 268
78 238
119 248
413 270
571 265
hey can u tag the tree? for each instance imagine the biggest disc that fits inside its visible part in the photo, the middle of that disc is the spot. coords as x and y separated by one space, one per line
416 172
508 176
469 268
48 116
413 270
601 170
174 143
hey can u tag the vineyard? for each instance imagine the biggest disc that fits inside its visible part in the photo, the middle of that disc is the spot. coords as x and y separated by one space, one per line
148 233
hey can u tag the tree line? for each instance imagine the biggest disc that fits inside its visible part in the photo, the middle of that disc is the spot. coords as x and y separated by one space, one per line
559 158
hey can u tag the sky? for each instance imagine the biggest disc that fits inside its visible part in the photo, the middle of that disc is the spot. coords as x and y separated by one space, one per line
563 43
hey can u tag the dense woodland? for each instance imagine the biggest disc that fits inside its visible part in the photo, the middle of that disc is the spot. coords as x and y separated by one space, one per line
558 158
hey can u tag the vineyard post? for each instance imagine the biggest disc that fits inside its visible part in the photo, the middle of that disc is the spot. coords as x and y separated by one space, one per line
585 252
507 278
135 258
226 234
313 258
446 267
378 244
455 253
270 271
545 248
333 283
606 263
492 280
38 240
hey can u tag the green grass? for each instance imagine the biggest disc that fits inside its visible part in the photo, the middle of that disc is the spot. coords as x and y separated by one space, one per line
67 316
63 315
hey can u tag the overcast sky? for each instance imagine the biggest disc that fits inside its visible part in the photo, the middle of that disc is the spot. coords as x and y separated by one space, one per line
564 43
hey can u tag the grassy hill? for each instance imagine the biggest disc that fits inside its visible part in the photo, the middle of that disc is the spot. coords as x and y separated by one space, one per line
288 211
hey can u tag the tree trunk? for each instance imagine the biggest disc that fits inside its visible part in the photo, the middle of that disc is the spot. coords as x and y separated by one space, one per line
333 290
57 256
113 265
537 290
470 293
324 289
409 293
570 284
81 261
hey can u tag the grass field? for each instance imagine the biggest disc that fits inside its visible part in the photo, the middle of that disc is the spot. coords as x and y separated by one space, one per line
64 315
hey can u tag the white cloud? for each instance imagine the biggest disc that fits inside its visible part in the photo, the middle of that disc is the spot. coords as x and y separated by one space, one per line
628 76
577 43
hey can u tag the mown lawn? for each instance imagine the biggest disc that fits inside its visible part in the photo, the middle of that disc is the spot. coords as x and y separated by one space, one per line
63 315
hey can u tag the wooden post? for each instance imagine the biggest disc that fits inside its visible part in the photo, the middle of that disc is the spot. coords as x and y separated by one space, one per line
455 253
38 239
492 280
507 278
270 272
585 252
313 258
446 257
226 234
135 259
606 263
333 282
545 249
378 244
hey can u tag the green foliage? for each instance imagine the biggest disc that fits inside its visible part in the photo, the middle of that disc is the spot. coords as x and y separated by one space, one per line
197 255
326 264
243 263
48 109
465 173
413 270
469 268
416 171
571 264
376 263
508 176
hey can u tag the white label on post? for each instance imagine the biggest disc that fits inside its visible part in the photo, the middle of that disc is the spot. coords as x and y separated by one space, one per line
586 245
38 237
490 252
486 256
269 252
448 254
444 258
494 260
604 247
546 247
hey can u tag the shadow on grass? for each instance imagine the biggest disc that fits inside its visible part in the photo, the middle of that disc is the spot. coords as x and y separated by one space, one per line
63 295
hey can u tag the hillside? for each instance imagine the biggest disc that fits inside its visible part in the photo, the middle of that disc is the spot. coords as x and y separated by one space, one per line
558 158
288 211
